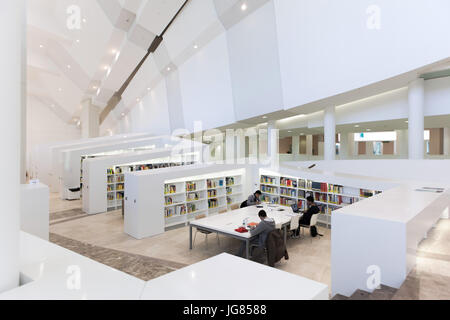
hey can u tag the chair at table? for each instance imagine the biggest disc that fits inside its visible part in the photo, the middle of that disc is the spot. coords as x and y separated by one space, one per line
235 206
203 231
294 223
313 223
244 204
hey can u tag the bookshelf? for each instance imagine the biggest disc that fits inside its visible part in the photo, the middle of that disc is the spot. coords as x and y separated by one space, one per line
116 179
208 195
286 191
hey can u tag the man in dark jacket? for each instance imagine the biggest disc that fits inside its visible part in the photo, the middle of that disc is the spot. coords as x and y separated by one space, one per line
259 232
254 199
305 220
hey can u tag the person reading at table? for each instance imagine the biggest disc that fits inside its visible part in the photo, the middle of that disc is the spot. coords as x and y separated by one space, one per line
259 232
254 199
305 220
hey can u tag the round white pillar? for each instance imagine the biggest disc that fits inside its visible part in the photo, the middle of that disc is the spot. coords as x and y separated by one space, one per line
329 128
416 101
401 144
12 29
273 137
344 146
447 142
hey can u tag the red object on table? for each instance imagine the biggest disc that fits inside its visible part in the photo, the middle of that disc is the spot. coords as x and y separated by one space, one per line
241 230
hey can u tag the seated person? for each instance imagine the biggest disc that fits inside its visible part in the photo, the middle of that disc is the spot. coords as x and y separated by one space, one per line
306 218
254 199
261 231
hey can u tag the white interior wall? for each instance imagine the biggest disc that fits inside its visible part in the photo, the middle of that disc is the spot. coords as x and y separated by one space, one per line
254 64
151 114
326 47
205 82
43 127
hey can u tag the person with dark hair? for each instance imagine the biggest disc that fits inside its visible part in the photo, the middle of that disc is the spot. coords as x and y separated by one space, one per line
306 218
254 199
260 232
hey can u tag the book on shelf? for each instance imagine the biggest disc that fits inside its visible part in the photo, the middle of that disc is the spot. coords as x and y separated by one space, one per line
170 188
192 196
191 186
268 180
288 182
212 193
268 189
213 203
288 192
332 188
230 181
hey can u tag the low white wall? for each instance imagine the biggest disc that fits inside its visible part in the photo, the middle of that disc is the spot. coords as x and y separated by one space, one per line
414 170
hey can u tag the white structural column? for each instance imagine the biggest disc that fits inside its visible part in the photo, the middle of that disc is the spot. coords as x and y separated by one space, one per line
329 128
401 144
416 101
90 116
296 147
344 147
447 142
240 146
309 146
12 29
273 143
230 154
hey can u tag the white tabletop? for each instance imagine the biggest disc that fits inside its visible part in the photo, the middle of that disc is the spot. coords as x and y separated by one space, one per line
60 274
400 204
227 277
229 221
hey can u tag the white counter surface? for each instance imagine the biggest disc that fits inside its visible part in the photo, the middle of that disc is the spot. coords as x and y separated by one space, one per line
54 273
399 204
227 277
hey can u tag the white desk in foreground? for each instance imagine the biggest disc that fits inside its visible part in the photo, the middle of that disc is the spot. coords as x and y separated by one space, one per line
227 277
226 223
378 237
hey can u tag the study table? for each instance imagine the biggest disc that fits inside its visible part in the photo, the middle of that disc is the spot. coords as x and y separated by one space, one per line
227 277
226 223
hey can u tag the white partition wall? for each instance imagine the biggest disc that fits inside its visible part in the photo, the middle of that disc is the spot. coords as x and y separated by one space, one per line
145 193
70 175
12 80
98 184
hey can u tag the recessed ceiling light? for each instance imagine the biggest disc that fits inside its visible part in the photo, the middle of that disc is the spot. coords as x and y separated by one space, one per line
244 6
59 89
123 115
168 68
77 41
369 130
94 87
69 66
138 99
265 117
41 46
84 20
113 51
290 131
195 46
357 126
407 121
105 67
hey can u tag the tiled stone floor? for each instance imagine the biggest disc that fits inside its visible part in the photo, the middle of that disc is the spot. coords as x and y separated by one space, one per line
142 267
